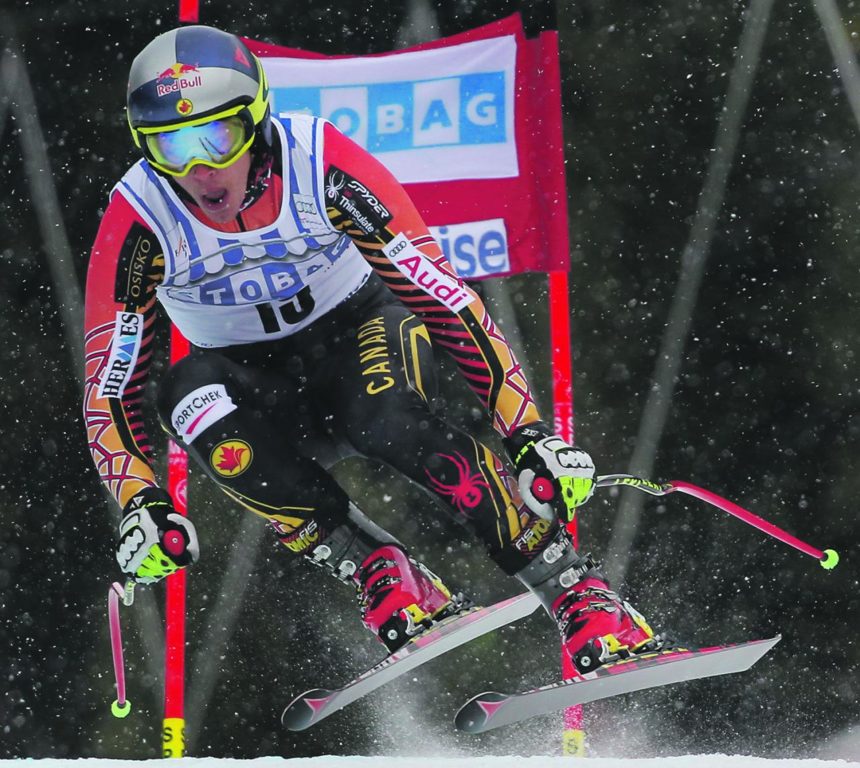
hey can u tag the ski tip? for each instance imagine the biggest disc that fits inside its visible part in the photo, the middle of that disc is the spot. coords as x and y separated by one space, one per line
769 642
748 653
303 711
474 715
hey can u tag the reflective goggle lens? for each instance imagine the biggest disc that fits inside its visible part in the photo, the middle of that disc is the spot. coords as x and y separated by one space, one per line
215 143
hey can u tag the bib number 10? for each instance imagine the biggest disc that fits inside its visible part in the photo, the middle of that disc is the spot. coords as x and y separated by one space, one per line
273 315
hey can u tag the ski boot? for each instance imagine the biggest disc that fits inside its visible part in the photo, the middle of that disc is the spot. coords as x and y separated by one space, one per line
596 626
399 598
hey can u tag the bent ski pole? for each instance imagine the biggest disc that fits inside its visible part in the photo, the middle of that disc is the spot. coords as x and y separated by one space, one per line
121 706
827 558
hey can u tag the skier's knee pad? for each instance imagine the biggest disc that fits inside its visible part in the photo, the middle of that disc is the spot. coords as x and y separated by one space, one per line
390 433
192 385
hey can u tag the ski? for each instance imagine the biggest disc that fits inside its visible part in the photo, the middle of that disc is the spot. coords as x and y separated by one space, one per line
491 710
314 705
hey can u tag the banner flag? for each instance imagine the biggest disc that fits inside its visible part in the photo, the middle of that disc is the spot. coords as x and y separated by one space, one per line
470 124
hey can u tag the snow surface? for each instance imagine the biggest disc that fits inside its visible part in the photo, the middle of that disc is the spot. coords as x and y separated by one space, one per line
684 761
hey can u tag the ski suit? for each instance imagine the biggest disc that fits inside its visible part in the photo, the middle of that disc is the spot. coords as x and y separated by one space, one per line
313 318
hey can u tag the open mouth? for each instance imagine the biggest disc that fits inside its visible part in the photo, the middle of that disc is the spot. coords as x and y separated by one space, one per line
214 200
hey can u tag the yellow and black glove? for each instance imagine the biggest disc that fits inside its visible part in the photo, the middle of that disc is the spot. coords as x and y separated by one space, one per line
554 478
155 540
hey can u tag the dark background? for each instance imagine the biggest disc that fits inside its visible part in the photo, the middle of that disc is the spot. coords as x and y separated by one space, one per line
765 408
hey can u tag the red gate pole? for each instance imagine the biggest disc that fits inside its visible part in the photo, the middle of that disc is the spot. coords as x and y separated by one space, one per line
173 732
173 729
573 736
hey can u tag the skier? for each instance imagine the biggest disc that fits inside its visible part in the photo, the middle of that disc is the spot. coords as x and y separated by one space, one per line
311 290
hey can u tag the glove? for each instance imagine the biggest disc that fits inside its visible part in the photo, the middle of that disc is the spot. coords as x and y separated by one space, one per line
155 540
554 478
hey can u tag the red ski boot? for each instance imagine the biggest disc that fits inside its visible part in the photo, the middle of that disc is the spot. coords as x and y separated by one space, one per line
596 626
400 598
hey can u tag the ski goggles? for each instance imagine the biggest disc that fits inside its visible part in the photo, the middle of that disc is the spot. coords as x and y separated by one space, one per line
216 143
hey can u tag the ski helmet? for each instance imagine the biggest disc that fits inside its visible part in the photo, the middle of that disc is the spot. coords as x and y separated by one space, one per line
196 95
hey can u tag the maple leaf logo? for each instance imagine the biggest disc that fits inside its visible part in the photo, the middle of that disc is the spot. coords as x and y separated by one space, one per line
231 458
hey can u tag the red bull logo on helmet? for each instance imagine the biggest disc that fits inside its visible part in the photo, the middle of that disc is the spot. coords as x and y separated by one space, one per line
177 77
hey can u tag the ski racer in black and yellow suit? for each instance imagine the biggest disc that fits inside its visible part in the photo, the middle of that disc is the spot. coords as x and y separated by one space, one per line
314 297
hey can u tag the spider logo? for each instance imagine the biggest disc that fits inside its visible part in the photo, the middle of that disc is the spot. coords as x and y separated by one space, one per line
336 183
467 492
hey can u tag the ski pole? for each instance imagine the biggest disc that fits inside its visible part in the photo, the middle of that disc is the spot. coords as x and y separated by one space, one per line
827 558
121 706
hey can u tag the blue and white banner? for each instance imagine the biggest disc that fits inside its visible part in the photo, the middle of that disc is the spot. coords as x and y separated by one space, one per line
440 114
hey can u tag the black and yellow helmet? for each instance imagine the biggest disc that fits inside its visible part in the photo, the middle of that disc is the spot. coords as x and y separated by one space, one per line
200 78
